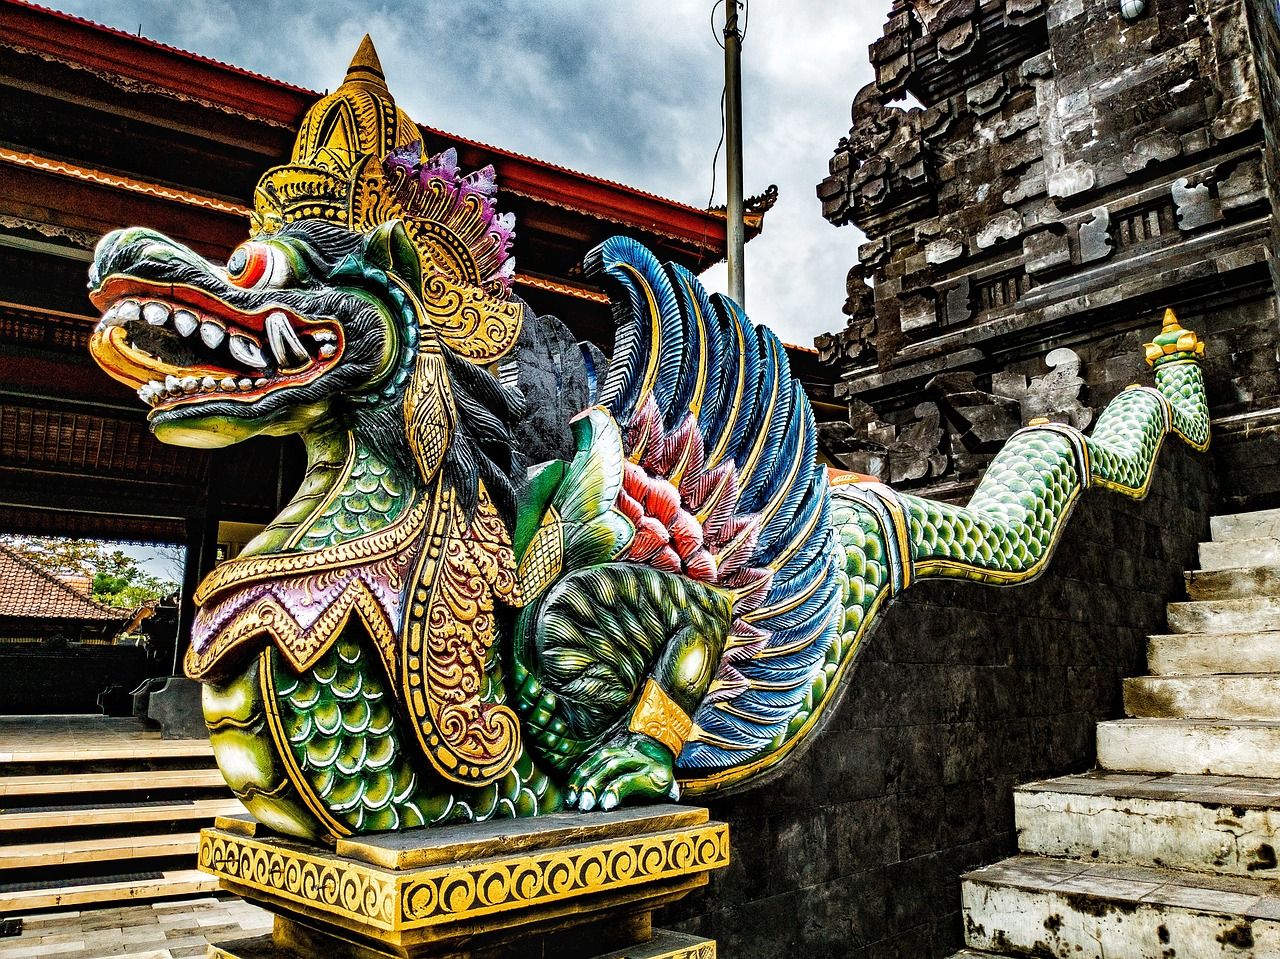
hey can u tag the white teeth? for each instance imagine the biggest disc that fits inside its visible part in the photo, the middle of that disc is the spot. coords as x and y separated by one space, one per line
284 341
110 318
245 385
189 384
324 336
185 322
328 350
151 392
157 314
212 334
260 382
171 384
228 384
128 310
209 383
247 351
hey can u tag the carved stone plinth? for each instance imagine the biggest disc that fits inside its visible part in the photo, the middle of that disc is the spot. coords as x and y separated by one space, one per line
570 885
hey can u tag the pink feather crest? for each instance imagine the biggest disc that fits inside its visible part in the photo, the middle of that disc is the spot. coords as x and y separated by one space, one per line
435 189
686 521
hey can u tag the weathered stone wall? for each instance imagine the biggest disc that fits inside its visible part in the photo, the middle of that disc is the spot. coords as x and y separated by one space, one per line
1068 174
962 693
1264 23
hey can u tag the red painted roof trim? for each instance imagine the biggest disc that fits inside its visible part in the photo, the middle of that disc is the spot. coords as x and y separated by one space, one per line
106 49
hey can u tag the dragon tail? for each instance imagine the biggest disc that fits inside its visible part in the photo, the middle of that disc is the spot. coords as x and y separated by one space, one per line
1004 536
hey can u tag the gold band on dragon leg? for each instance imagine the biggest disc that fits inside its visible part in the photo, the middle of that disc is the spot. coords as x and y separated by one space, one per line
658 716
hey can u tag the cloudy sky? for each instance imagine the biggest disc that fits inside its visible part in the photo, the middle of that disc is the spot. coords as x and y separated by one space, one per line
628 91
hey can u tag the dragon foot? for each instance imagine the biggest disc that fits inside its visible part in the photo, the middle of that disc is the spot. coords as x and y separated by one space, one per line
631 768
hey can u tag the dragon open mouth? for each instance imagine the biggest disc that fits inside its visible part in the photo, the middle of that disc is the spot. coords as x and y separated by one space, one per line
179 345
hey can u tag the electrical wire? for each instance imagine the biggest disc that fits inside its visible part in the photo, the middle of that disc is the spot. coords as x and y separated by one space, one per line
716 158
718 35
746 22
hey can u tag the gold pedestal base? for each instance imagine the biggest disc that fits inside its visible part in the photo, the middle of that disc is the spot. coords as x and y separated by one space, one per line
568 885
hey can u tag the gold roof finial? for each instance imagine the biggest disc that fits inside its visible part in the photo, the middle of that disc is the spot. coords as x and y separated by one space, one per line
365 66
1170 318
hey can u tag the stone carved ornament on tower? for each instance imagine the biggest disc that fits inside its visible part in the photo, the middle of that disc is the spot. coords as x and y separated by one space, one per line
1033 175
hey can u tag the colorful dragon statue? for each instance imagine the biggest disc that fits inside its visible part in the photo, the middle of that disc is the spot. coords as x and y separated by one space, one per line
432 631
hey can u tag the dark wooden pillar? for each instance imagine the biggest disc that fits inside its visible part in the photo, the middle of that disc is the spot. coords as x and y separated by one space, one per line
202 555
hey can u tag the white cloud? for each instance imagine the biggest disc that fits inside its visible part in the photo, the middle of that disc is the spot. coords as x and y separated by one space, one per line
627 91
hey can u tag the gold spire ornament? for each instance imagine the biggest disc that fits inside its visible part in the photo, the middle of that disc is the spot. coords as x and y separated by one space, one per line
352 128
358 162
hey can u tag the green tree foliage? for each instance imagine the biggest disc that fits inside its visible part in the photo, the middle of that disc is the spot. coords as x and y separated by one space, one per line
116 578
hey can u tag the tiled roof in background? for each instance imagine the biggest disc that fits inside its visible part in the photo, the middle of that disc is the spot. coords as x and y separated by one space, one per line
28 592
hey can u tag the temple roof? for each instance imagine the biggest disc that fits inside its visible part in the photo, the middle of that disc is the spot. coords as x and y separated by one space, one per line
190 76
28 592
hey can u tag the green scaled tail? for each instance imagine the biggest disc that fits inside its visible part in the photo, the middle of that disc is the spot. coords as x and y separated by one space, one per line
1007 532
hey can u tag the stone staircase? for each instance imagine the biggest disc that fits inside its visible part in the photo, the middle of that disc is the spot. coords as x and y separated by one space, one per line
98 812
1169 849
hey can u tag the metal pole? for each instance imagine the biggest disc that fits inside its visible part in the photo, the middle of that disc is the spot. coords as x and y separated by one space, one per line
734 234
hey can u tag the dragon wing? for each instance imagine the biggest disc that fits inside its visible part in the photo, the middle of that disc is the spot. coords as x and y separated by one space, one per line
721 482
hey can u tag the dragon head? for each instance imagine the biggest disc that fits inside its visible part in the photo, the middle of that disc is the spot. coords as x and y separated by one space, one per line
375 287
265 345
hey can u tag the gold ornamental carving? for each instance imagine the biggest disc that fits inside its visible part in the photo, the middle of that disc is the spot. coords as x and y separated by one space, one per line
658 716
449 635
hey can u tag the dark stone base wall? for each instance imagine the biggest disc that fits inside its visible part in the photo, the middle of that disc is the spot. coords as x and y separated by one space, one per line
962 693
43 680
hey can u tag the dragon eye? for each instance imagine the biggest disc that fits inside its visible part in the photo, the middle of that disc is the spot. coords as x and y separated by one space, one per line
259 266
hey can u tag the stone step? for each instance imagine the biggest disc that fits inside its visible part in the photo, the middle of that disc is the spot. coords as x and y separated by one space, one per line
138 750
102 849
1260 523
973 954
139 780
1200 654
1248 615
179 882
1195 746
1213 824
1248 696
23 820
1232 553
1236 583
1028 905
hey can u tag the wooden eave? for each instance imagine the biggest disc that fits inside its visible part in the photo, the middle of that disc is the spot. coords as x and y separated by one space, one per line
78 198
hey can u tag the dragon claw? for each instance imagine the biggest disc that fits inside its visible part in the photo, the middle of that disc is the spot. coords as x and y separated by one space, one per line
630 769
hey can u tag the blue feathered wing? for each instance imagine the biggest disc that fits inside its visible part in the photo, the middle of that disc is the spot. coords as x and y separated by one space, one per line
705 400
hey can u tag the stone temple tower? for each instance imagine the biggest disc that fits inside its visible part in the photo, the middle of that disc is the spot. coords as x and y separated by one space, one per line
1037 180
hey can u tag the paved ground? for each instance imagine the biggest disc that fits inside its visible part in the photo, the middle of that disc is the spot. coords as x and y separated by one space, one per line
158 930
